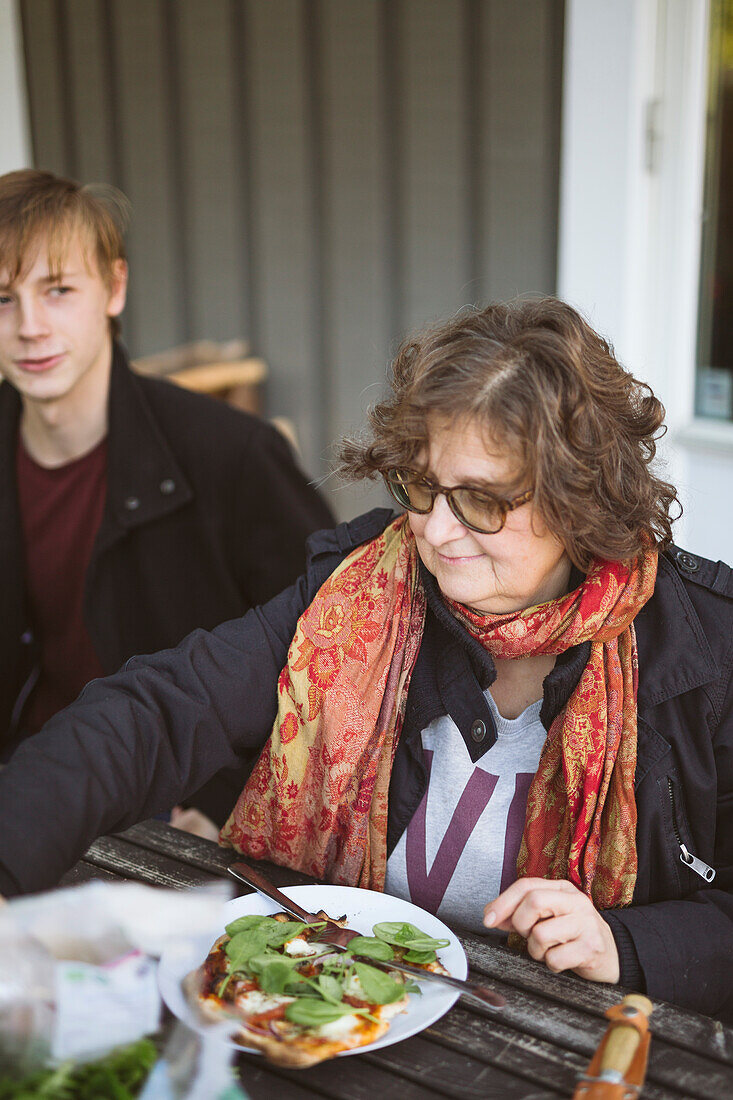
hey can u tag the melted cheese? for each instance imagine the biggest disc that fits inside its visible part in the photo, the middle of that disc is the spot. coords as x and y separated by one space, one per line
299 946
338 1029
255 1001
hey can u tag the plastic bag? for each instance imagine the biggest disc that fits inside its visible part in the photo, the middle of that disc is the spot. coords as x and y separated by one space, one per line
78 978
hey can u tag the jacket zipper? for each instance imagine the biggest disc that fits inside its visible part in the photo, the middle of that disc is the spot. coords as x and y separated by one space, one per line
704 870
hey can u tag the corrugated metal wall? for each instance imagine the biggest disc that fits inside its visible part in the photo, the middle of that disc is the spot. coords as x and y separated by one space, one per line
319 176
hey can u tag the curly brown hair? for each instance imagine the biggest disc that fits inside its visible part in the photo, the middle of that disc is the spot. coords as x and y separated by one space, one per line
548 388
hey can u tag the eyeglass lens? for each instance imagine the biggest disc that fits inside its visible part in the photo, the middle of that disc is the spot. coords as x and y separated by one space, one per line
471 507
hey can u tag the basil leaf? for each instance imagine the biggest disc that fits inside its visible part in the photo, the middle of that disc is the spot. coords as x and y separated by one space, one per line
371 947
379 988
312 1013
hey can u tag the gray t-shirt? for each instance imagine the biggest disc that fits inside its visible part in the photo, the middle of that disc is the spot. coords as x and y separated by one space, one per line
460 848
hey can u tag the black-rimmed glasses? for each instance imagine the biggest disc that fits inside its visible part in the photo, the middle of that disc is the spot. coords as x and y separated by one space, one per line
477 509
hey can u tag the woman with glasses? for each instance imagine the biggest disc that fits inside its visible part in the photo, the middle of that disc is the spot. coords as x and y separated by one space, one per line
510 701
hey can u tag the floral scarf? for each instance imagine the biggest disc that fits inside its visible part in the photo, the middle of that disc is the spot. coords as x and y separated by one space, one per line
317 798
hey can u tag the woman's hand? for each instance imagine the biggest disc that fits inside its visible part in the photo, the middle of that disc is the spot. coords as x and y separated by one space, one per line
193 821
561 925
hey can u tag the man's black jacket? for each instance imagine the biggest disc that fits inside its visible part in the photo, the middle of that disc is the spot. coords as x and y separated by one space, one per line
141 740
206 515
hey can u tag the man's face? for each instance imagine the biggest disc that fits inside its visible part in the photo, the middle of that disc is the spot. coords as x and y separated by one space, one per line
54 330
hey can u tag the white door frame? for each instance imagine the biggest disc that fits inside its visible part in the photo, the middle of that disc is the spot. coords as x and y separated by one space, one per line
632 161
15 145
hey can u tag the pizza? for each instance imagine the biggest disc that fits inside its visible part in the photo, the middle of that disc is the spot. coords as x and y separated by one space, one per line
299 1001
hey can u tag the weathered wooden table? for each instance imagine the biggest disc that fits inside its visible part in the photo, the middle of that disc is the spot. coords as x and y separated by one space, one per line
535 1048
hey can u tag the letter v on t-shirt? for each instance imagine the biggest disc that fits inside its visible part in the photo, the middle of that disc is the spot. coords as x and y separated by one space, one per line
460 848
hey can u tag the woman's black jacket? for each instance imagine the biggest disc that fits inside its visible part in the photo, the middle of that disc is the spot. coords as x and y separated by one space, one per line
139 741
206 515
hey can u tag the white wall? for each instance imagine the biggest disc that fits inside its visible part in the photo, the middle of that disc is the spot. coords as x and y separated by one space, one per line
14 133
630 220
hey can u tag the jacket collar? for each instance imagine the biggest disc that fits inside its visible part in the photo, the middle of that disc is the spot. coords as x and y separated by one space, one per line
144 480
674 653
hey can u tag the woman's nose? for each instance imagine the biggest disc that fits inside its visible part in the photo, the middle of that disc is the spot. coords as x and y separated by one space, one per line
440 524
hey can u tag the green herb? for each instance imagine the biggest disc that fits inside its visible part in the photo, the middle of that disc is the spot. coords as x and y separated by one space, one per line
379 988
408 936
254 939
240 949
246 923
258 963
312 1013
275 976
420 958
330 988
371 947
118 1076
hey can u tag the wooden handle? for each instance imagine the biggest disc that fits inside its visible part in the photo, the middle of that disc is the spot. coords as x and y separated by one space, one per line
623 1042
262 884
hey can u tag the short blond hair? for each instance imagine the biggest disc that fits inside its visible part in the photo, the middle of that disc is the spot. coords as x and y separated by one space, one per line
35 204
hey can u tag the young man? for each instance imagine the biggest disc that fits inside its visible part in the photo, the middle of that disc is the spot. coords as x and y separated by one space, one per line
131 511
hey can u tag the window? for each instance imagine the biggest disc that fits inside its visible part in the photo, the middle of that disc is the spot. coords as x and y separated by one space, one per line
714 388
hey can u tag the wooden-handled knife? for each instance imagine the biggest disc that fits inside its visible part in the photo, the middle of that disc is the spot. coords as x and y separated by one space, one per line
617 1069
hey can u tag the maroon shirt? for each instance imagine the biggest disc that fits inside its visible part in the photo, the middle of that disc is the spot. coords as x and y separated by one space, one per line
60 513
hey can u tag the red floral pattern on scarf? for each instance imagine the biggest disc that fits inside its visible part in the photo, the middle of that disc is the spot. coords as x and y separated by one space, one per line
581 810
317 798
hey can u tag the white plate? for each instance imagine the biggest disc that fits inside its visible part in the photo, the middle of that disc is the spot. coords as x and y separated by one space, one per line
363 909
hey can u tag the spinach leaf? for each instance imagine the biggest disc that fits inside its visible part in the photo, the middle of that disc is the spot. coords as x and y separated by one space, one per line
282 931
330 988
257 963
419 957
275 976
408 936
371 947
379 988
240 949
312 1013
246 923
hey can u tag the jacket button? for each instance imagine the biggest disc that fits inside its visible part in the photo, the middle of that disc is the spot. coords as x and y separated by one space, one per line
478 731
131 503
688 562
167 486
